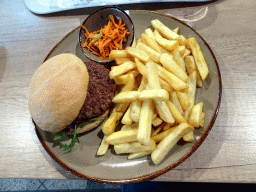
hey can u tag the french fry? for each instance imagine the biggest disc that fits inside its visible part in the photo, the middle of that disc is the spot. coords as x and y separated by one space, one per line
134 147
199 57
150 41
191 93
127 120
165 43
183 98
169 141
195 116
157 121
160 136
176 30
164 30
172 79
149 33
129 127
202 120
141 55
118 54
167 61
182 40
191 67
153 82
125 136
175 100
126 96
175 113
135 110
155 56
121 60
121 69
157 130
186 53
179 59
102 150
167 126
109 125
189 137
130 85
145 122
139 154
159 94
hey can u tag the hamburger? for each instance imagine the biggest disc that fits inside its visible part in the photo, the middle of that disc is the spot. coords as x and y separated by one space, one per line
67 93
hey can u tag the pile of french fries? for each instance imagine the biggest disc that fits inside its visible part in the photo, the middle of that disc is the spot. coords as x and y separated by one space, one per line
157 77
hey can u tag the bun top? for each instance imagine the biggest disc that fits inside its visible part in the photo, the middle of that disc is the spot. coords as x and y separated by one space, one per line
57 92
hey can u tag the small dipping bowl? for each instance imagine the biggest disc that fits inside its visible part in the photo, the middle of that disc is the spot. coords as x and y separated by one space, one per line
99 19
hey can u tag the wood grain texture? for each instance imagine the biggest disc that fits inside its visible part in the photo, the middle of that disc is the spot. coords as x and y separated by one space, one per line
227 155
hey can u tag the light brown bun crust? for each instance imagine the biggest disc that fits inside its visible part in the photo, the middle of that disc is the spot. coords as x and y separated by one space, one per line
57 92
93 124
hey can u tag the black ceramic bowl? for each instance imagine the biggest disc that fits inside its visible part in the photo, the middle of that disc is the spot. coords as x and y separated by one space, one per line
99 19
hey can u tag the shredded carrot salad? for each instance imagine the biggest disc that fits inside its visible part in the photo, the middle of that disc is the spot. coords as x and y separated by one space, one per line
111 37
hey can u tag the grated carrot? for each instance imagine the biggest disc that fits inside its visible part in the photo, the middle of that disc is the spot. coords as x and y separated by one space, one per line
112 37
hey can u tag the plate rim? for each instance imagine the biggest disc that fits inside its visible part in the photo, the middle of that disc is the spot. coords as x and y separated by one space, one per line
166 169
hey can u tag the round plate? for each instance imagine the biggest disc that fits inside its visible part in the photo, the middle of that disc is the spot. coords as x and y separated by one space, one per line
117 169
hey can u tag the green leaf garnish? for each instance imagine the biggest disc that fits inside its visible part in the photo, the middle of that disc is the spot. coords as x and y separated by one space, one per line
74 140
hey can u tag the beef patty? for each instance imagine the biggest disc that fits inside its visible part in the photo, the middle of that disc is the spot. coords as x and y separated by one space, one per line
100 92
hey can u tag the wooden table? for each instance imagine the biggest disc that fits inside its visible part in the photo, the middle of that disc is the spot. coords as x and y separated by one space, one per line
229 152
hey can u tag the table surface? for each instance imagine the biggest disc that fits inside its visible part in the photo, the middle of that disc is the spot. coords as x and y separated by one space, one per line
227 155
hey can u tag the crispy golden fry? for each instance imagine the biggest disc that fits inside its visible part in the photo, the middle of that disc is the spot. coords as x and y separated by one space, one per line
134 43
153 82
110 124
157 121
121 60
118 54
150 41
191 67
135 110
164 30
145 122
183 98
176 30
149 33
175 113
172 79
181 49
160 136
141 55
102 150
169 141
195 116
139 154
199 57
179 59
159 94
124 136
191 93
175 100
167 61
126 96
127 120
129 127
202 120
165 43
186 52
130 85
134 147
167 126
182 40
155 56
189 137
121 69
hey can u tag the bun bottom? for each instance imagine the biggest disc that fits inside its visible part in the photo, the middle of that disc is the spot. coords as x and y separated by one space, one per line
93 124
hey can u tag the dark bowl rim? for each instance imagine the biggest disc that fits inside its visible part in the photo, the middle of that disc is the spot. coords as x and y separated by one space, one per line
105 61
162 171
